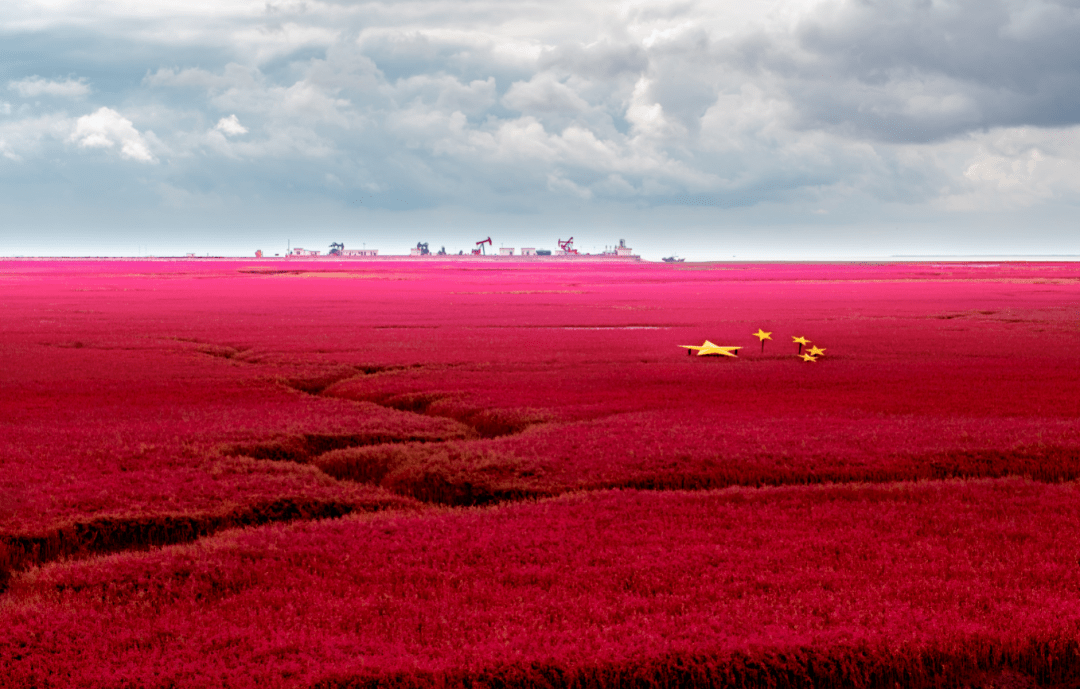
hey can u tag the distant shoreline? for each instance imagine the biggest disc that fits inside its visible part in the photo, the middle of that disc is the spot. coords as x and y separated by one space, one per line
581 258
343 259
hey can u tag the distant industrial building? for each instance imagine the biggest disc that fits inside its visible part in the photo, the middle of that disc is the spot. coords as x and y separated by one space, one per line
621 250
566 249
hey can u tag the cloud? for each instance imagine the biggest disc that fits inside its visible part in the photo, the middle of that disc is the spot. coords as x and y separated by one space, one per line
107 128
1014 167
232 76
27 138
35 86
852 107
5 150
560 185
446 93
541 94
231 126
920 71
603 59
268 41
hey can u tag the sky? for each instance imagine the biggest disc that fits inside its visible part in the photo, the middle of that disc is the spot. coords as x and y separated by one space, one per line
777 129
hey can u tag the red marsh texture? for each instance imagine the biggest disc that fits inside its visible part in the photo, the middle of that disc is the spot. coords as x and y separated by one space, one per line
121 431
144 403
921 584
126 380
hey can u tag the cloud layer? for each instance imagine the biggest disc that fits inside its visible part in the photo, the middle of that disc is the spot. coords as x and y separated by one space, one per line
835 115
35 86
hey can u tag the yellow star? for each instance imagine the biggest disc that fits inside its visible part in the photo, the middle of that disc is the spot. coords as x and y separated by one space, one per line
816 351
800 340
710 348
807 357
762 335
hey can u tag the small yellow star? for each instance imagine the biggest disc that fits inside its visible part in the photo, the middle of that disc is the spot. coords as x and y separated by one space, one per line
800 340
807 357
710 348
816 351
762 335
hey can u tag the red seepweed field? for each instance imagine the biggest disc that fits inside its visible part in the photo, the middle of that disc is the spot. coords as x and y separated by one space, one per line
461 473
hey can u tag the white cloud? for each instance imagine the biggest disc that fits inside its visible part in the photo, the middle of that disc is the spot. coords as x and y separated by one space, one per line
232 76
446 93
231 126
107 128
1004 173
28 137
268 41
304 102
35 86
647 115
615 185
1013 167
543 93
561 185
5 150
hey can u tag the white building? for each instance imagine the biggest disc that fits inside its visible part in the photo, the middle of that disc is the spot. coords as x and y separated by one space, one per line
528 251
359 252
297 251
506 251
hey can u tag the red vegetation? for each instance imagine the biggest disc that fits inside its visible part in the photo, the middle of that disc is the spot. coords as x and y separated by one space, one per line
921 584
147 403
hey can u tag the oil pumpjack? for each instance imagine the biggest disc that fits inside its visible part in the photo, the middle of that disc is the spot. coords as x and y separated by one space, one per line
479 250
567 247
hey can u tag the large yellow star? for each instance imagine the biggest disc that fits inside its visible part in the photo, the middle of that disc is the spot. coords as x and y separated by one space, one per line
762 335
800 340
816 351
710 348
807 357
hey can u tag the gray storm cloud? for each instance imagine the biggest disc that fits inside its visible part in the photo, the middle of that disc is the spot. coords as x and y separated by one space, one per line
923 111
